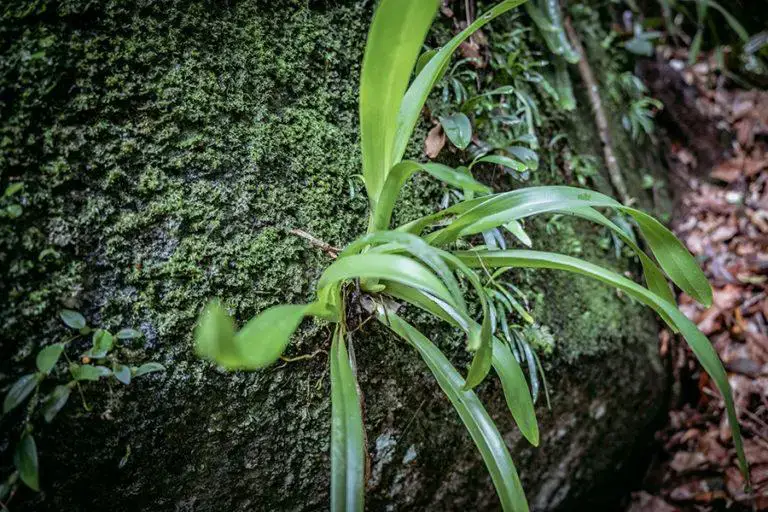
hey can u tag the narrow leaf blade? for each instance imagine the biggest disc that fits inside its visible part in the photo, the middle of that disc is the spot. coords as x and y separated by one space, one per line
347 434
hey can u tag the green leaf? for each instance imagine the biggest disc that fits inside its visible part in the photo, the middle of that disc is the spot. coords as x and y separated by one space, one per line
509 163
13 188
673 257
55 402
478 215
128 334
563 86
695 48
471 411
103 342
73 319
397 242
394 40
654 277
526 155
458 128
264 338
48 357
14 211
386 266
122 373
424 58
417 93
518 232
510 374
639 46
215 335
347 433
25 460
147 368
89 372
20 390
699 343
399 175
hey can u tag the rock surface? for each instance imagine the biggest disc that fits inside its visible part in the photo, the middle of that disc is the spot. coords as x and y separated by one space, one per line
166 150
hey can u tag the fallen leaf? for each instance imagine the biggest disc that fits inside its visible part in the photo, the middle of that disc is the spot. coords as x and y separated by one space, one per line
434 142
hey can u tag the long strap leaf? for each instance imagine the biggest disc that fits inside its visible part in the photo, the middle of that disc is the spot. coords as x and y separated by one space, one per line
496 210
513 383
399 242
394 41
417 93
399 175
471 411
347 434
385 266
699 343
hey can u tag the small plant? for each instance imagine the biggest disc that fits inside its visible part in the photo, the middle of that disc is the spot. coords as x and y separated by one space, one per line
416 264
630 94
9 207
46 405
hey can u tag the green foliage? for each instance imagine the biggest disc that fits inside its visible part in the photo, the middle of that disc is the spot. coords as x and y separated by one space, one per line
630 94
51 370
413 264
347 433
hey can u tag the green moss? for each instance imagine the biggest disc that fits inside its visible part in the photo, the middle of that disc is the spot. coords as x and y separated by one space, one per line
166 150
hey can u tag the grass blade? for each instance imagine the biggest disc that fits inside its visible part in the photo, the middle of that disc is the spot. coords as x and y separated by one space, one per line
699 343
471 411
394 41
347 434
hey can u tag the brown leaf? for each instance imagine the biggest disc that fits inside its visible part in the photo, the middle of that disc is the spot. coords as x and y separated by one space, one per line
729 171
644 502
684 462
434 142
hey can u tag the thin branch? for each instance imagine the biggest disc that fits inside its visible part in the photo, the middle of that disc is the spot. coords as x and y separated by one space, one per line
330 250
603 130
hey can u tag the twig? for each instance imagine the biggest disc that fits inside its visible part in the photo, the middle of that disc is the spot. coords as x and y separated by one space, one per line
614 173
330 250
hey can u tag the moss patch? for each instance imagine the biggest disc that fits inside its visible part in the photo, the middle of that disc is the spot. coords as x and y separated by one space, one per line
166 149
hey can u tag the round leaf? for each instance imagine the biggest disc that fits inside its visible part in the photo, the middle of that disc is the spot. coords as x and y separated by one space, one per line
215 335
122 373
458 128
73 319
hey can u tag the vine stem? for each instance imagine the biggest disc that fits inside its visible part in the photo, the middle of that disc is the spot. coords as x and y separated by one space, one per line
585 70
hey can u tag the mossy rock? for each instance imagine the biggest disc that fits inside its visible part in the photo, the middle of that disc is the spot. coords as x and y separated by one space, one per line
167 148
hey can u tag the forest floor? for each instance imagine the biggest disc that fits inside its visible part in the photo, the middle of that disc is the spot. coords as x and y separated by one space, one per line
722 216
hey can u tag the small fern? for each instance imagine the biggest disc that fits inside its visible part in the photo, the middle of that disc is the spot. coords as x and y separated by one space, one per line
414 264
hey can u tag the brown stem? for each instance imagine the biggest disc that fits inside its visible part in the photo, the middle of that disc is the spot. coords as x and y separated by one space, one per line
614 173
330 250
